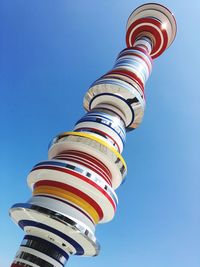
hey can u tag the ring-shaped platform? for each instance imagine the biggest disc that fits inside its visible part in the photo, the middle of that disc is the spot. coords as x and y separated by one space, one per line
118 94
92 145
65 233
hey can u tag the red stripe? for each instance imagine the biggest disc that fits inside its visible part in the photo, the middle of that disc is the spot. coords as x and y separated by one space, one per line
143 46
132 56
89 158
130 75
84 161
72 159
74 191
130 53
150 29
101 132
89 182
124 80
139 49
142 50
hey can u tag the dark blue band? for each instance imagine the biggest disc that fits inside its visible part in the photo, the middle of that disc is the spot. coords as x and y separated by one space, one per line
78 248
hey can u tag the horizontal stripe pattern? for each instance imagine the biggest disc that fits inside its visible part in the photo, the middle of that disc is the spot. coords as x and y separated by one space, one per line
89 177
79 249
36 257
130 73
21 264
86 160
64 232
65 208
74 189
90 137
94 186
46 247
87 143
69 197
155 22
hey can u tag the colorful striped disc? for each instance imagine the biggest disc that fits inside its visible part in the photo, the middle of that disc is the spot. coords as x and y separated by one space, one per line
155 22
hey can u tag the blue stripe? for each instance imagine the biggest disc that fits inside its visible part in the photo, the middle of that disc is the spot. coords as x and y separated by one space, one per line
132 61
94 120
131 88
57 163
100 114
24 223
54 163
134 69
96 115
138 66
113 122
136 52
48 244
107 117
117 96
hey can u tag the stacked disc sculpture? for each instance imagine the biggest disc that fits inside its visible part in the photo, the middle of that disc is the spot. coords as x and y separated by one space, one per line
74 189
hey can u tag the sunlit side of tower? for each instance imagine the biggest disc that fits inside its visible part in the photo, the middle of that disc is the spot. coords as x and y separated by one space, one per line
74 190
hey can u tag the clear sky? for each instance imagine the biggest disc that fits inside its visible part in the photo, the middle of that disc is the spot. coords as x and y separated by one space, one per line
50 53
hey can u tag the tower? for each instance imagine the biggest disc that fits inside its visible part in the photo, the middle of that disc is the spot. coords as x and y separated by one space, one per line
74 189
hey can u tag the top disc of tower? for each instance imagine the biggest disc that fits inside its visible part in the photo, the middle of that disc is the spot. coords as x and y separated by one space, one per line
154 21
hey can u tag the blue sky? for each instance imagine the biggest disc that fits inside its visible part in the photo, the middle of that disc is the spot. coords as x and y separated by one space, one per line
50 53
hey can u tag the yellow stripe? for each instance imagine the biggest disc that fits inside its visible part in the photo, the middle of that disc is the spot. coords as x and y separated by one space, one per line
68 196
90 136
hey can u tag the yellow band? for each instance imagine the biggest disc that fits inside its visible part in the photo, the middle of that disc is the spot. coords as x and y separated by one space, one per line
68 196
90 136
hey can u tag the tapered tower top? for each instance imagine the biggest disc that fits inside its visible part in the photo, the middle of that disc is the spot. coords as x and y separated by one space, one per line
155 22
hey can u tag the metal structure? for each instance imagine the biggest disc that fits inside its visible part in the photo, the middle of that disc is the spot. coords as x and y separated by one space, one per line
74 189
